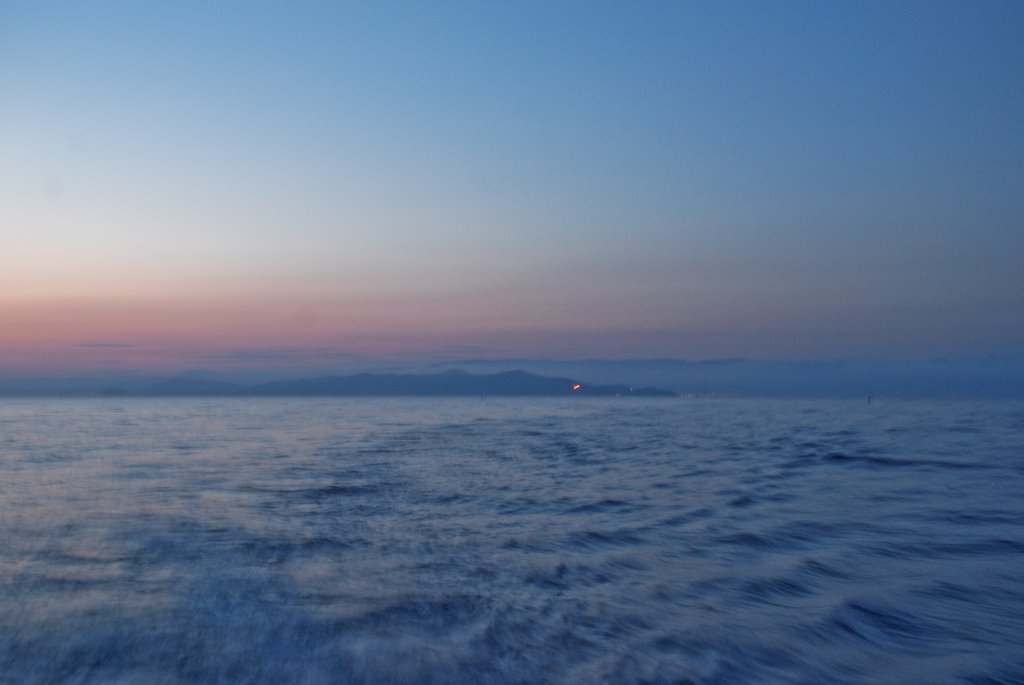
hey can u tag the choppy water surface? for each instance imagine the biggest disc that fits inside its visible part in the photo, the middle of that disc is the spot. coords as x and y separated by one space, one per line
618 541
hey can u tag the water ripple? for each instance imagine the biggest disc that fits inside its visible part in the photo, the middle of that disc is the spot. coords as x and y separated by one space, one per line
510 541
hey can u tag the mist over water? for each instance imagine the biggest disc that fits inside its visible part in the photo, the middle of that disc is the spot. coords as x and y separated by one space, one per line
511 541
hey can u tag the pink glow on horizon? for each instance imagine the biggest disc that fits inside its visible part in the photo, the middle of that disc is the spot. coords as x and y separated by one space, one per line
68 335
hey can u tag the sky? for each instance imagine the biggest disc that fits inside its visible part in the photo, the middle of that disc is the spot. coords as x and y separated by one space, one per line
262 184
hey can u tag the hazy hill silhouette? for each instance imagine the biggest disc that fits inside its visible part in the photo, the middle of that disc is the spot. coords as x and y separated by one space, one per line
449 383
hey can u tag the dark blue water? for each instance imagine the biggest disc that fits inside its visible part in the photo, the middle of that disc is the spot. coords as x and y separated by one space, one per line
511 541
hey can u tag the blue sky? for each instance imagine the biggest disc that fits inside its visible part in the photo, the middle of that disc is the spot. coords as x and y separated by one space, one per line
187 181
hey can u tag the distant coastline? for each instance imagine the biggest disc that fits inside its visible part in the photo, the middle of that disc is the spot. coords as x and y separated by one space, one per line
965 377
445 384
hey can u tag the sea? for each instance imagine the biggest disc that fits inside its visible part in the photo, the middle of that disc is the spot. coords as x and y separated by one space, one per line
556 540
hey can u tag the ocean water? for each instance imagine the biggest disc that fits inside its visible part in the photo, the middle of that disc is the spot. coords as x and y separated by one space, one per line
511 541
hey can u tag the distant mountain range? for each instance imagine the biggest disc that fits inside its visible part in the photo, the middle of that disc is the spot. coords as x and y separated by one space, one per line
981 377
449 383
965 377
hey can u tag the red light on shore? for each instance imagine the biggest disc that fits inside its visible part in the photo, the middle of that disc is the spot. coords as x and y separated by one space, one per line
576 386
